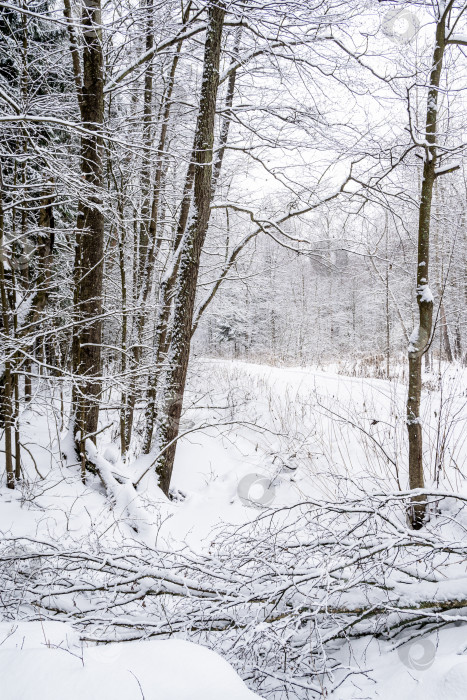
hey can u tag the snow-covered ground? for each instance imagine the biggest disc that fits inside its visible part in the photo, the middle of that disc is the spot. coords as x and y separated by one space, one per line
48 662
257 437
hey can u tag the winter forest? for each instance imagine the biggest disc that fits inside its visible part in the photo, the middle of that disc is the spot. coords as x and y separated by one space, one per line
233 338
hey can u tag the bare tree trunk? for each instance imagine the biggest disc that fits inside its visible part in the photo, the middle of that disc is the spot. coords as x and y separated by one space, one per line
445 333
142 248
165 301
74 50
388 309
7 389
227 119
121 238
168 419
162 339
458 340
30 325
420 338
75 345
88 271
153 240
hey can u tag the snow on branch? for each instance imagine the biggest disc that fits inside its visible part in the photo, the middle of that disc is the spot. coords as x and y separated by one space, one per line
459 39
443 170
301 575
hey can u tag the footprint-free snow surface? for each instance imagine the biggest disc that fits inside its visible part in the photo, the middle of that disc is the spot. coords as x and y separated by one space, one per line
256 437
48 662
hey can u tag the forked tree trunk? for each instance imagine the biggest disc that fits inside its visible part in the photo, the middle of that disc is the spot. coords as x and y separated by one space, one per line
173 387
166 291
420 339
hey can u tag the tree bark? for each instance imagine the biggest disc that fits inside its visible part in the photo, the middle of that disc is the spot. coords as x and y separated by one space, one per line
88 272
173 386
6 382
162 339
420 339
153 243
445 331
